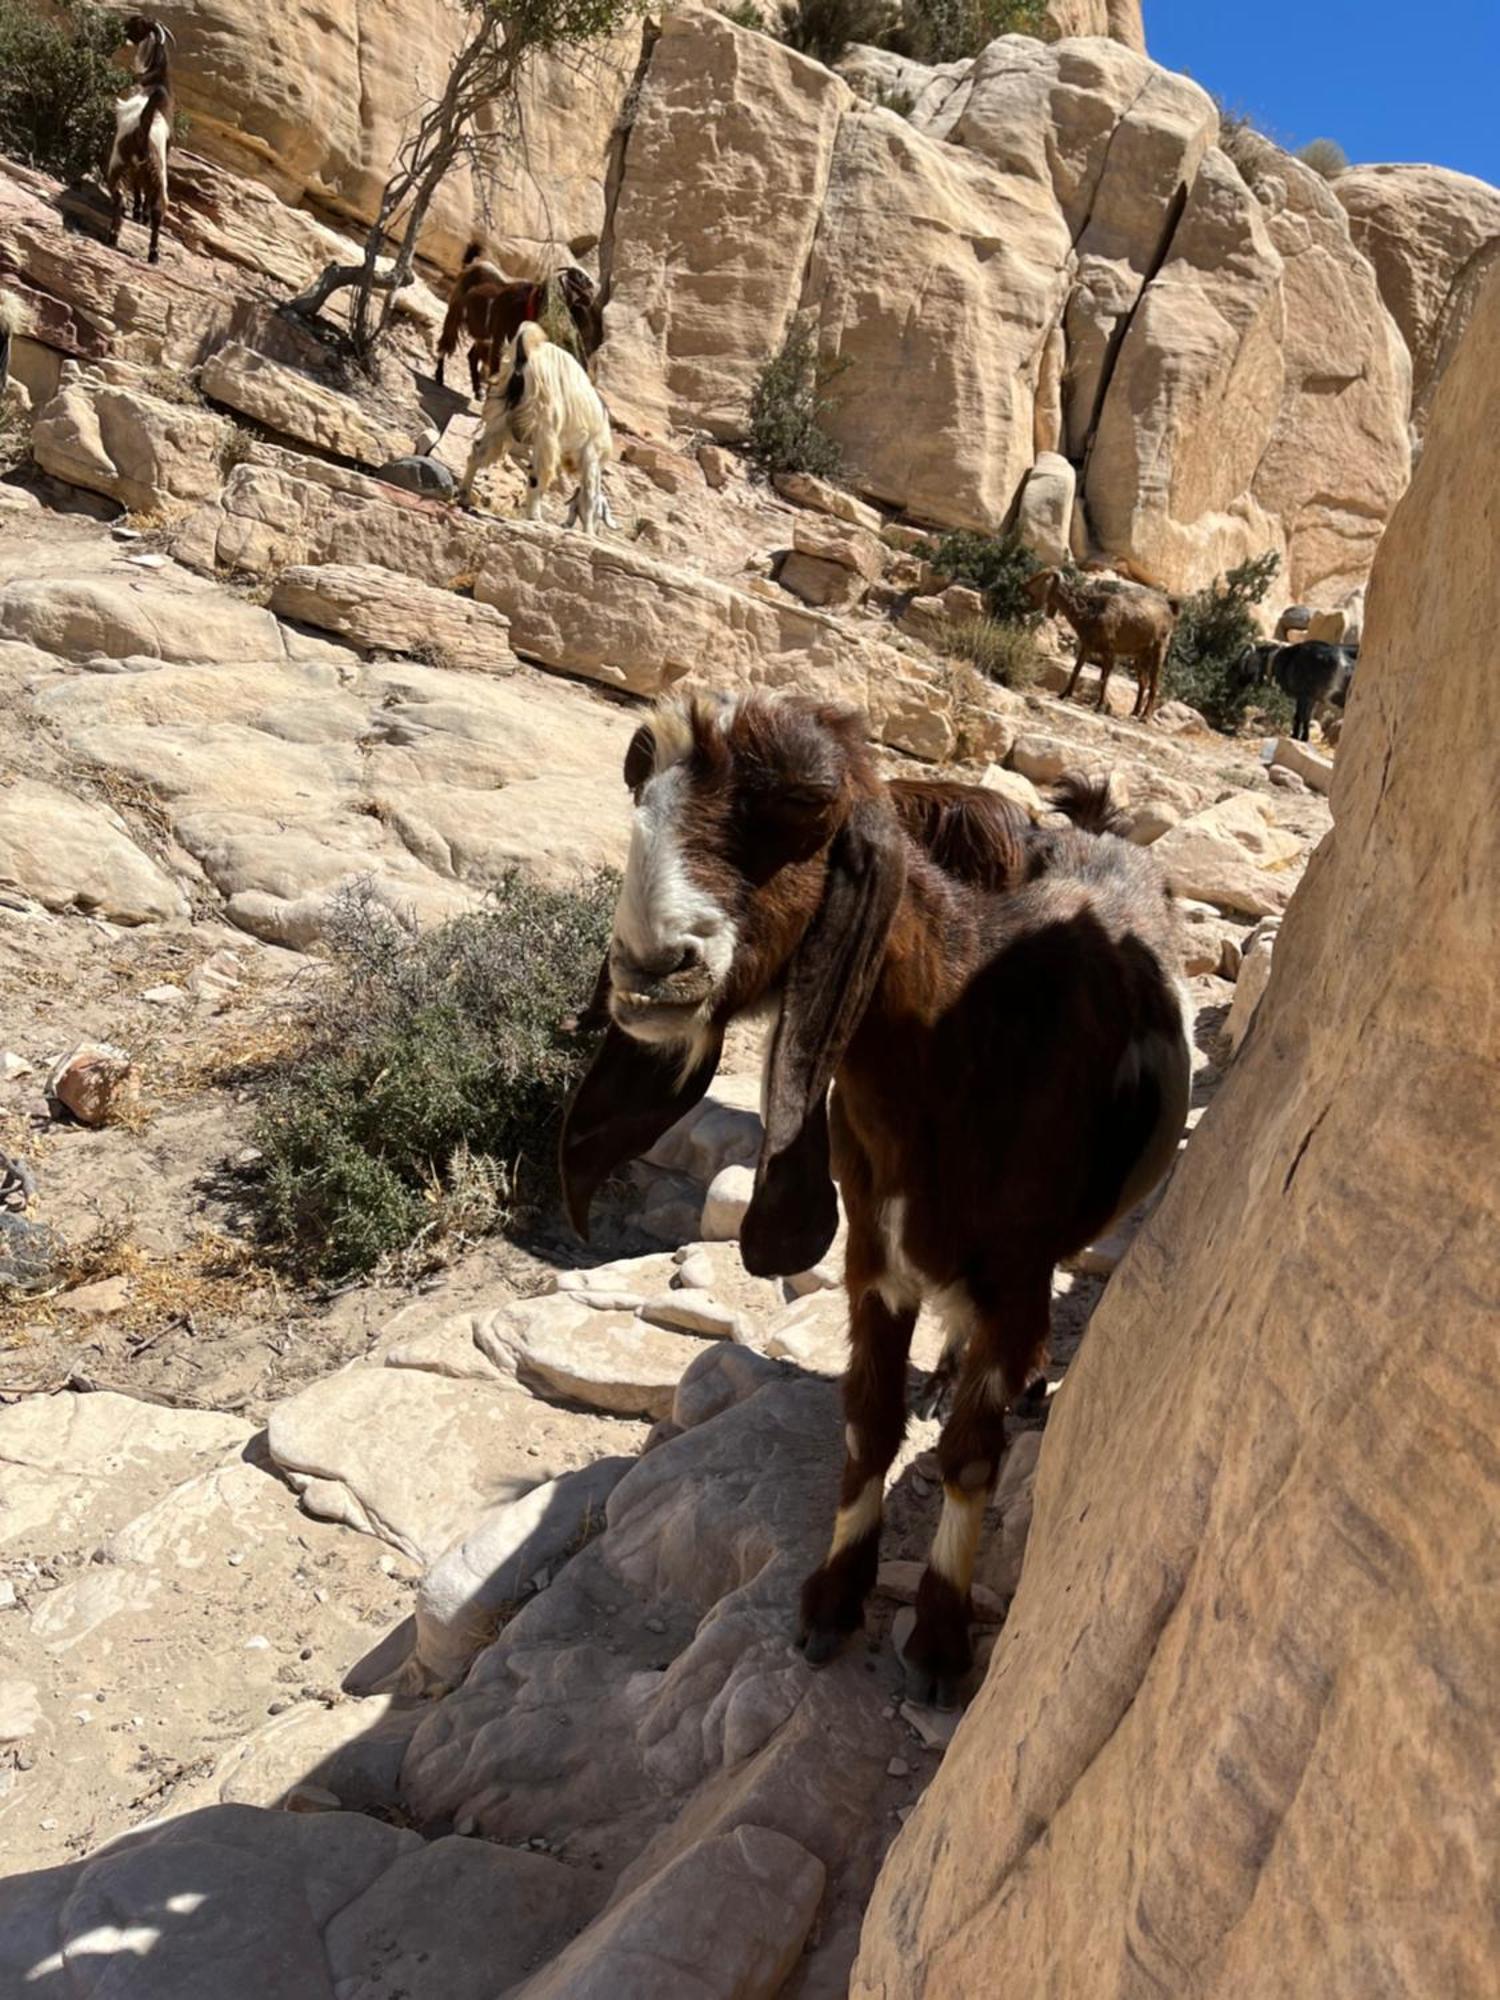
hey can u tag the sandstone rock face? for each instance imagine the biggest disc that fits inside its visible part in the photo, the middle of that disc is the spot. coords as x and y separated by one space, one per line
1433 237
1232 855
1119 18
1290 1654
318 107
134 448
286 400
69 854
377 608
725 169
1195 392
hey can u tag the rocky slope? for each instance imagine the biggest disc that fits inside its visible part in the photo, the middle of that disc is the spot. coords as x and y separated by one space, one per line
1248 1744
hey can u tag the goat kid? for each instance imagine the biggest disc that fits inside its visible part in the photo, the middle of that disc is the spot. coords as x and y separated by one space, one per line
997 1010
492 309
541 406
143 133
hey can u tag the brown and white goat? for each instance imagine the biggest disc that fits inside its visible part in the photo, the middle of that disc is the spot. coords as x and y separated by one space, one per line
143 133
492 309
997 1009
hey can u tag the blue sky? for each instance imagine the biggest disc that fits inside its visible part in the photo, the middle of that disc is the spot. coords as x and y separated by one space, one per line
1388 81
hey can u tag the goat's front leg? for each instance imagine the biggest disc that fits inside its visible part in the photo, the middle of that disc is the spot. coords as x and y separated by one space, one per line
1008 1338
833 1597
1106 668
1080 659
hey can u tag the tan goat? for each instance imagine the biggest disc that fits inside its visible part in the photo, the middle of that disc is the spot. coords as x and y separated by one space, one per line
1114 621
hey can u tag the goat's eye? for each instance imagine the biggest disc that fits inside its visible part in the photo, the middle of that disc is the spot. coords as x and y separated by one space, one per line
640 758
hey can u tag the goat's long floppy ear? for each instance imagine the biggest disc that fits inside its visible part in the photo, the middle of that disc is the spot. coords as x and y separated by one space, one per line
793 1215
632 1093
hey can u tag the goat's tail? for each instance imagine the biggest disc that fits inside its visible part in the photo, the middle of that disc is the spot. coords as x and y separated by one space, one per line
1093 804
531 336
472 249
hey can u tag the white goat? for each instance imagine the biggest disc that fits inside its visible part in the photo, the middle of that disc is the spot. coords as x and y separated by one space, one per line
541 406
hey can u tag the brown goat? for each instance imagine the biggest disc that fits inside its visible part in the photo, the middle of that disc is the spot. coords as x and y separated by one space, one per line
143 133
997 1010
1114 620
492 309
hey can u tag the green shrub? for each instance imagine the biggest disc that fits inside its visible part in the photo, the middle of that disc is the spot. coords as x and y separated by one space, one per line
1326 157
426 1102
940 31
999 565
786 434
1002 652
743 14
1203 667
58 86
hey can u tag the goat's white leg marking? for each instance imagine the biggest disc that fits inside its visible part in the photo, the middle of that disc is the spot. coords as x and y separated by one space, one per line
956 1543
860 1518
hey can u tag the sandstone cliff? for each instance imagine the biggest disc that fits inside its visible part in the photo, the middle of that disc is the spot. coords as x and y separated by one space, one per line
1239 1732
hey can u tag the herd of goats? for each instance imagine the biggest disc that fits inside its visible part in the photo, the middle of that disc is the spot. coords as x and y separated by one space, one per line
540 407
981 1034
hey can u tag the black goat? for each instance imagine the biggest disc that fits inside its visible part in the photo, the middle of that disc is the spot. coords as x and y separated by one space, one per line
1311 672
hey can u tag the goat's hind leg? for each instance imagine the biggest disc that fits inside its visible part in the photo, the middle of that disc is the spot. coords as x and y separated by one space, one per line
833 1597
1008 1336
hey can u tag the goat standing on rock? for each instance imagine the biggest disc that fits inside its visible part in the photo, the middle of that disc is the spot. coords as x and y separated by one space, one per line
997 1009
1114 620
492 309
542 406
143 133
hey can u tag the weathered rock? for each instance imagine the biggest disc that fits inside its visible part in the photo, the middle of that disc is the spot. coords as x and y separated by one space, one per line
827 584
1304 763
377 608
297 406
133 447
724 1206
1178 442
834 541
1016 787
416 473
71 854
1119 18
1433 236
77 618
723 1130
292 1903
470 1588
728 1916
97 1082
987 253
607 1360
805 489
717 1379
1044 517
1326 1670
1252 977
714 222
1232 855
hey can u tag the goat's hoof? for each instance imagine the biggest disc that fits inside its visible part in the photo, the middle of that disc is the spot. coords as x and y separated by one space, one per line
936 1657
929 1690
820 1643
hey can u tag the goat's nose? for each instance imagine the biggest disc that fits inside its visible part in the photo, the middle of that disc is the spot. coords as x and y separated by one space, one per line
664 961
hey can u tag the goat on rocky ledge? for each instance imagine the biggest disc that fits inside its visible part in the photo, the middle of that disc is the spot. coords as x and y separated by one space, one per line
543 407
1114 620
998 1011
492 309
143 133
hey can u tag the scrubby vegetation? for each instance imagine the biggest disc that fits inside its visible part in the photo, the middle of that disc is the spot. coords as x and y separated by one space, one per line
999 565
930 31
425 1105
824 29
787 407
1326 157
1001 651
1203 667
58 86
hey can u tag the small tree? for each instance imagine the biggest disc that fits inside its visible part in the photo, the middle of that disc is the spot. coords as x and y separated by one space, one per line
58 85
940 31
1204 666
786 410
503 37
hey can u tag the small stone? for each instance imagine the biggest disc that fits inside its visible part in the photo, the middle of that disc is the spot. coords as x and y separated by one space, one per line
12 1066
305 1798
7 1593
656 1624
277 1707
934 1727
235 1558
466 1825
306 1653
47 1825
725 1204
259 1644
166 996
897 1768
96 1082
320 1595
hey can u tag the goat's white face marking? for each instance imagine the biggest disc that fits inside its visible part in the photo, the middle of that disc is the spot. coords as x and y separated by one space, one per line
663 914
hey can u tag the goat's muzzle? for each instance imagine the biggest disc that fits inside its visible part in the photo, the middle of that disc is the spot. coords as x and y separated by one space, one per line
661 996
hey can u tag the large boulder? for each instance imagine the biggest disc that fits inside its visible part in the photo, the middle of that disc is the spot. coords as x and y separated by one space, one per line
726 167
1194 396
71 854
378 609
935 277
1238 1734
1118 18
1433 237
133 447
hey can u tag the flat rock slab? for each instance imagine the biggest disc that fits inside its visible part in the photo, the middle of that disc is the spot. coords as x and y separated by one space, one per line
238 1901
417 1458
376 607
609 1360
